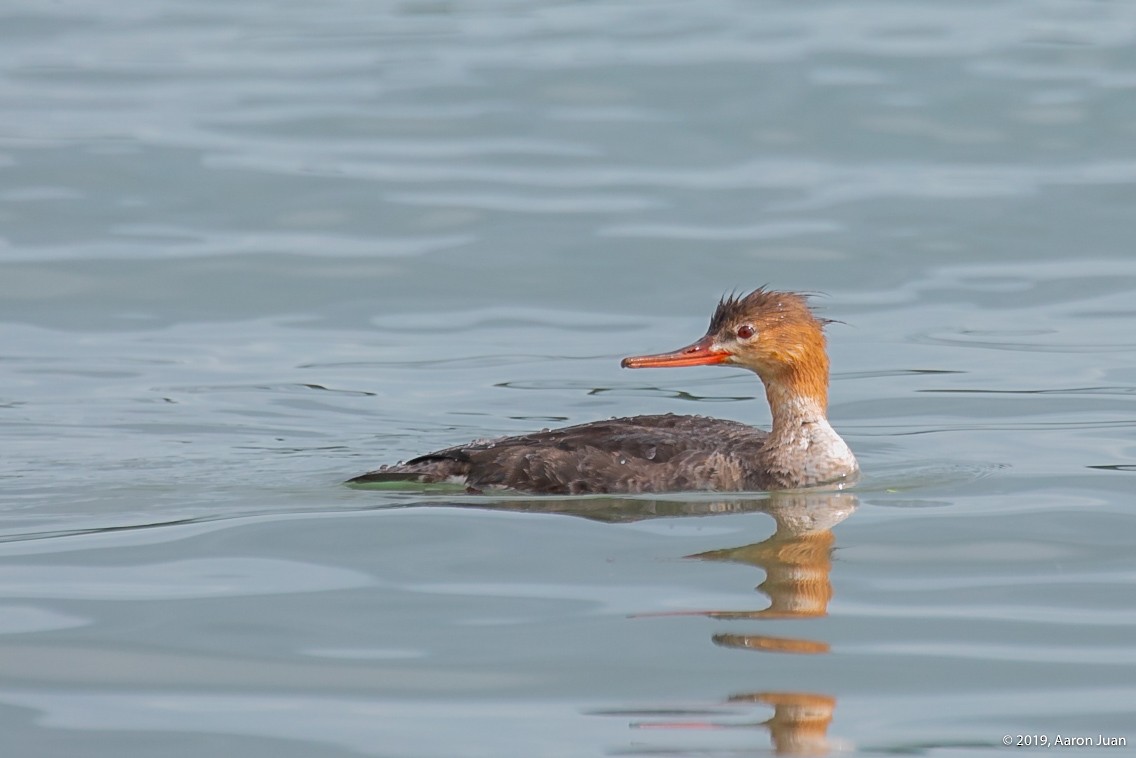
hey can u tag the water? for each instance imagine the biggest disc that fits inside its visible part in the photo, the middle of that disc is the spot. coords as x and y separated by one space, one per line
248 251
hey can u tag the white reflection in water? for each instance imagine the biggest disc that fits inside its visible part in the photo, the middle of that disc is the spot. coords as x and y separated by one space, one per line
20 619
192 578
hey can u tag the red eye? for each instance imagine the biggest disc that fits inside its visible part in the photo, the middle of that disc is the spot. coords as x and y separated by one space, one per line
744 332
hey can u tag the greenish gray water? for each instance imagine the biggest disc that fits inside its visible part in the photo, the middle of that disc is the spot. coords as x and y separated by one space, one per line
248 251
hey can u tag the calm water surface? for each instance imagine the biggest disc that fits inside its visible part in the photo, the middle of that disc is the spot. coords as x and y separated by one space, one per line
248 250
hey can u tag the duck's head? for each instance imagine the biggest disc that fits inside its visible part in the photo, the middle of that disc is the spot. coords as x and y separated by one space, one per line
774 334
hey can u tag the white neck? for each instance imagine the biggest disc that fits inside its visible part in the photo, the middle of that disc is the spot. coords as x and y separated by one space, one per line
802 448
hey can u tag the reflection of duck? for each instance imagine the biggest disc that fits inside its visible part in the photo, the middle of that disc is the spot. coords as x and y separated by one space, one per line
793 512
796 573
799 725
797 559
773 334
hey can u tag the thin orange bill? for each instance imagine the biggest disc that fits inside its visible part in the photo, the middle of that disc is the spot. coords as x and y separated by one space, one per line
701 353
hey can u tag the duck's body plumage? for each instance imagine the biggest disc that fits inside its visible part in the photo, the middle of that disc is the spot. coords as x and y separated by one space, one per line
772 333
666 453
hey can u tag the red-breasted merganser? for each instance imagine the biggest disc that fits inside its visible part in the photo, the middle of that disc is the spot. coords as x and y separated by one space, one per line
773 334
